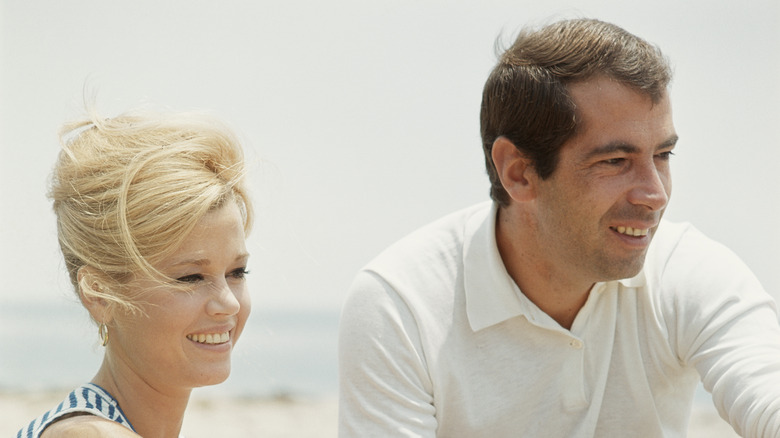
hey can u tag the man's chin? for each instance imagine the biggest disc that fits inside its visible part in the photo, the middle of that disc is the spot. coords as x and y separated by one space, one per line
624 270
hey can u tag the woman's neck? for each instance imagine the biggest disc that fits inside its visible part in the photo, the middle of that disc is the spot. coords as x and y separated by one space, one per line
153 411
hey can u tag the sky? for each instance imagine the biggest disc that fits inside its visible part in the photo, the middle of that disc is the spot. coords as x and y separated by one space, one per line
360 118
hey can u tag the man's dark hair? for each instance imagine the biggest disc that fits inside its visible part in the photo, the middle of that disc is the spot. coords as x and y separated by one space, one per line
526 99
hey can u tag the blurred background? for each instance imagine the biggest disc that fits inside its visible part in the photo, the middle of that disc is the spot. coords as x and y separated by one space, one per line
360 121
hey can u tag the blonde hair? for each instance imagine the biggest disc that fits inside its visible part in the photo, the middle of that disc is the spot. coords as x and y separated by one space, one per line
128 190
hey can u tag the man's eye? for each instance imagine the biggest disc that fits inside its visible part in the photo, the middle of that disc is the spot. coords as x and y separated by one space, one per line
194 278
665 155
614 161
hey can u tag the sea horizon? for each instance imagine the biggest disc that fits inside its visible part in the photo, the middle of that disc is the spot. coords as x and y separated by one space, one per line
53 346
282 354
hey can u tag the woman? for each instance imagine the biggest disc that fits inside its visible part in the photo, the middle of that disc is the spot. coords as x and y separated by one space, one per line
152 216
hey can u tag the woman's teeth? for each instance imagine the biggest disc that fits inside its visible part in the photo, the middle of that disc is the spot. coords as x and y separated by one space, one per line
211 338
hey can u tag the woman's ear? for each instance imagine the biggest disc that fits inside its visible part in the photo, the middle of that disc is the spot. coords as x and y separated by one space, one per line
515 170
92 292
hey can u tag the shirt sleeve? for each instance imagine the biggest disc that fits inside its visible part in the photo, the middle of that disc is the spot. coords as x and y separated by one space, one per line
384 386
726 326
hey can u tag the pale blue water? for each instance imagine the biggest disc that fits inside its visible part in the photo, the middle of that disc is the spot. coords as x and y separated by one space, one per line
54 346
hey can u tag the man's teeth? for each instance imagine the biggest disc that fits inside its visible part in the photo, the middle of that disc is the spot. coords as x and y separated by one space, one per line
211 338
636 232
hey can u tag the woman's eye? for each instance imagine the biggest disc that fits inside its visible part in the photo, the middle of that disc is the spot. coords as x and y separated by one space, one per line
194 278
239 273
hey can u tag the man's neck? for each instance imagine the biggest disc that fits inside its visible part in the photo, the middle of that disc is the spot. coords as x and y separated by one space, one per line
555 289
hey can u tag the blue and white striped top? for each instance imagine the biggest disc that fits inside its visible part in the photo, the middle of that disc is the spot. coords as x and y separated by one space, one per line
88 398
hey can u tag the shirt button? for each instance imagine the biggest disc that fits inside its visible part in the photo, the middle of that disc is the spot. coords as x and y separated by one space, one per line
576 344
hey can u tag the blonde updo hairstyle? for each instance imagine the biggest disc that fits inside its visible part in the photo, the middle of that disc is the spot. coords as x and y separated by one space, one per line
128 190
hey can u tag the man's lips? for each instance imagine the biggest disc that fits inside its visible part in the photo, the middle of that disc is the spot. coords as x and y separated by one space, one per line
631 231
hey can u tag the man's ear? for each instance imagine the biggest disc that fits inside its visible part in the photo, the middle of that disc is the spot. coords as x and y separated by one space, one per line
514 169
92 292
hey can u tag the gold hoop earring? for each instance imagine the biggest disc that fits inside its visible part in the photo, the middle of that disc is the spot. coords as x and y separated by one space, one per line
103 333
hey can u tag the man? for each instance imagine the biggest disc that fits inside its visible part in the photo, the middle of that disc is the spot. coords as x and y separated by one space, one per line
548 312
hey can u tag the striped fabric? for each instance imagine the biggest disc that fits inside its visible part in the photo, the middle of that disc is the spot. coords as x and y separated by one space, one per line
88 398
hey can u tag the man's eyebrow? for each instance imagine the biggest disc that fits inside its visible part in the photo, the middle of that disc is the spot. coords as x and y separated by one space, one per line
671 142
611 148
628 148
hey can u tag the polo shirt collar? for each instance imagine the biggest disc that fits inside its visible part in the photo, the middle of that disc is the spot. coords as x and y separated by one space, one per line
491 294
490 291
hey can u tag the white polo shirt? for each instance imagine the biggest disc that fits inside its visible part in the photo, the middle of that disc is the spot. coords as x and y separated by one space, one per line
436 339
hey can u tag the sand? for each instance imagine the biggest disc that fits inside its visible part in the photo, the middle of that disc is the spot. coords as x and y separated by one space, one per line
205 417
276 418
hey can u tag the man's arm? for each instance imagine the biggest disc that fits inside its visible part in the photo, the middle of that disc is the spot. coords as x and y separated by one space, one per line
385 389
727 327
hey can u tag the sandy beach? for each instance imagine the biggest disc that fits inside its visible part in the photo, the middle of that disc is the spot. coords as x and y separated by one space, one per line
206 417
273 418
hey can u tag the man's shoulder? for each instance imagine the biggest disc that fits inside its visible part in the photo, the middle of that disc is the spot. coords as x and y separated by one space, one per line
438 241
682 239
418 275
684 257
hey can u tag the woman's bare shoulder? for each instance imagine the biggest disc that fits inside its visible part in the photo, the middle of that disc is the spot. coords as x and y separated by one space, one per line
87 426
